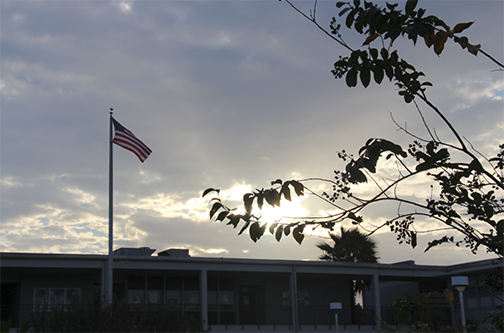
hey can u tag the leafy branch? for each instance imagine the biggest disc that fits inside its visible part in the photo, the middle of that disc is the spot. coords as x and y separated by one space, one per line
469 191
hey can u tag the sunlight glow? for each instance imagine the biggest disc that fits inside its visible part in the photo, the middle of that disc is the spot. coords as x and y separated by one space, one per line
169 206
287 209
236 192
81 196
125 6
200 250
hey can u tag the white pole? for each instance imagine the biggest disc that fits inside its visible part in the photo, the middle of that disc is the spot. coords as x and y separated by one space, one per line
462 311
335 306
460 283
111 218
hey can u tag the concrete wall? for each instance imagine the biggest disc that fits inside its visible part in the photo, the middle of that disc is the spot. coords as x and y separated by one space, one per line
290 329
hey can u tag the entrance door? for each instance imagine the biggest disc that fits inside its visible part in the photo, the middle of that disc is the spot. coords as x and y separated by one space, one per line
248 305
10 302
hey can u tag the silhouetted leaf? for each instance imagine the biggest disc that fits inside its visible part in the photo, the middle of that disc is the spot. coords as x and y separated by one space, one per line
476 166
410 6
358 176
384 54
208 190
365 76
500 228
489 211
344 11
378 74
245 226
423 166
279 233
369 39
256 231
234 220
298 188
394 57
298 236
439 42
463 41
351 77
286 191
222 216
350 18
413 239
408 98
429 38
391 6
272 197
437 242
278 181
260 200
354 217
340 4
248 199
254 227
461 27
373 53
473 48
215 207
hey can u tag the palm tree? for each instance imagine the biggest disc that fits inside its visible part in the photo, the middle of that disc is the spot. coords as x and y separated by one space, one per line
351 246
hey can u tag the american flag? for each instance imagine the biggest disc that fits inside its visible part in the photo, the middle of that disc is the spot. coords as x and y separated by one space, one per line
126 139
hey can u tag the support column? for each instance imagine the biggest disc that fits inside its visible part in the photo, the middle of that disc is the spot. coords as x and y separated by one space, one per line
293 298
204 298
376 289
103 283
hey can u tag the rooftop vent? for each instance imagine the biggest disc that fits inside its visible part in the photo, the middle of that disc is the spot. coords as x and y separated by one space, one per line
179 253
134 251
407 262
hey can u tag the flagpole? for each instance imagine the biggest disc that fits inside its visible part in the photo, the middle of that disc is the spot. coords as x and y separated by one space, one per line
126 139
111 219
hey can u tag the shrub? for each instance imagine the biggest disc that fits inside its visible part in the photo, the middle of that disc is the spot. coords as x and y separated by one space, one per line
117 317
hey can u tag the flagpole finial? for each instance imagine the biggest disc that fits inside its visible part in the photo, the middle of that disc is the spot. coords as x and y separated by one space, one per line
111 110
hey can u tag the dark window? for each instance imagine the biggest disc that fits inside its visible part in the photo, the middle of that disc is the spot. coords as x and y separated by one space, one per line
191 283
155 282
173 283
226 284
136 282
212 283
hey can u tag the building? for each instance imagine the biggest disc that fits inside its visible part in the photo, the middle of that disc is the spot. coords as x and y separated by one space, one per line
236 294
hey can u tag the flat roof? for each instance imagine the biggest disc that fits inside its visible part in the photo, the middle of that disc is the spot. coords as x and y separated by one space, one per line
403 269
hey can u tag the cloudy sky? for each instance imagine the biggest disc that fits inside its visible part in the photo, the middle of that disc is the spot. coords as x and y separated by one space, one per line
227 94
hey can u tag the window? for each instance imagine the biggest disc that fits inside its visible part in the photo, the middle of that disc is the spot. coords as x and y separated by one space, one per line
485 295
173 290
471 295
50 298
136 290
303 298
191 290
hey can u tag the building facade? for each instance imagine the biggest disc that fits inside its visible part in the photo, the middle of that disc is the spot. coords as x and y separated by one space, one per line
234 294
